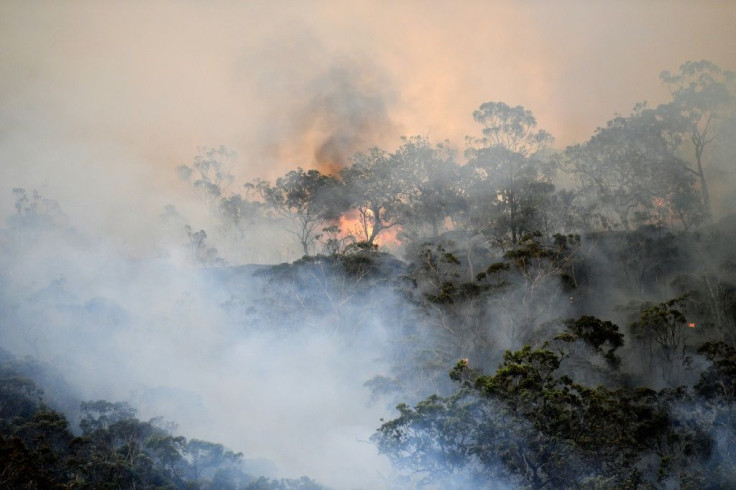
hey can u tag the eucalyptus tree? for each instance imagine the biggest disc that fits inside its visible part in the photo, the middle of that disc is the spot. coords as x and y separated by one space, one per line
503 181
630 171
309 198
513 128
374 190
529 425
701 93
210 172
428 178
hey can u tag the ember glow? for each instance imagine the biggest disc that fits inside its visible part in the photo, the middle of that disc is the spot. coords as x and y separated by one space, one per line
351 226
659 202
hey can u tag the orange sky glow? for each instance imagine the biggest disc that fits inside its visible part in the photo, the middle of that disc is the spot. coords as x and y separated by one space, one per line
101 100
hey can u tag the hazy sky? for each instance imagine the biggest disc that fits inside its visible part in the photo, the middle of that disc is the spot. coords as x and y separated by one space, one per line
99 101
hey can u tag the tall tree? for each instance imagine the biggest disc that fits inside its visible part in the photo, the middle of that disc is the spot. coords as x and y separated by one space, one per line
629 167
503 181
701 92
210 172
529 425
375 191
513 128
428 176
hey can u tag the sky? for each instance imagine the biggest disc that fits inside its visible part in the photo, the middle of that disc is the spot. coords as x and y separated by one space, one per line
101 100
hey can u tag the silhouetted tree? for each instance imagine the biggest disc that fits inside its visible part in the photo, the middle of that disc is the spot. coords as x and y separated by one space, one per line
309 198
428 178
701 92
504 184
630 170
374 190
210 172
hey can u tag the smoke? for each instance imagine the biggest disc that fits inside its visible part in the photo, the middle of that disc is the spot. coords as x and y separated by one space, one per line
99 103
108 85
344 106
351 112
207 350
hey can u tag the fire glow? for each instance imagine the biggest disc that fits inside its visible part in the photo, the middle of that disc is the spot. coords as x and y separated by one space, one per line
350 225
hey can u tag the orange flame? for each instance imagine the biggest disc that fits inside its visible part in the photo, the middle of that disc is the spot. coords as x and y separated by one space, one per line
691 325
349 224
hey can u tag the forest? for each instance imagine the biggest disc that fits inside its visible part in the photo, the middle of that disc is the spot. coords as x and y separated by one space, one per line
505 314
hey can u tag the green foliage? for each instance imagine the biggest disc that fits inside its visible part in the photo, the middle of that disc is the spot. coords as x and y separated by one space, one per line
102 414
718 382
599 334
665 324
115 450
19 396
528 426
